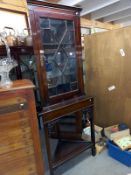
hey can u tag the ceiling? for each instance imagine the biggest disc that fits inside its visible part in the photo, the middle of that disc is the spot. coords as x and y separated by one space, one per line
112 11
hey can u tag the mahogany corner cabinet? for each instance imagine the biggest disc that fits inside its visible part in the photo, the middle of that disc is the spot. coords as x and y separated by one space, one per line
57 48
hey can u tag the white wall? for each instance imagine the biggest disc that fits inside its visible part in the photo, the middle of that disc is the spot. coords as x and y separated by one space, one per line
14 20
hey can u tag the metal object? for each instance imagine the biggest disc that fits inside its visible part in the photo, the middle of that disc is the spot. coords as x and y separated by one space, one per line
28 38
10 38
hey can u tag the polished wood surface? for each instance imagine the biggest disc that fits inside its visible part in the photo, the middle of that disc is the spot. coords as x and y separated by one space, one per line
69 144
18 85
53 112
107 67
19 50
55 11
20 152
57 106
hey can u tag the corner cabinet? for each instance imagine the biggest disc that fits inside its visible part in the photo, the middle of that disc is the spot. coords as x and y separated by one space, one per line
58 52
57 45
20 152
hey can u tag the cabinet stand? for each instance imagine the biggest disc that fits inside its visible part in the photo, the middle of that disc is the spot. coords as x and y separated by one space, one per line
67 148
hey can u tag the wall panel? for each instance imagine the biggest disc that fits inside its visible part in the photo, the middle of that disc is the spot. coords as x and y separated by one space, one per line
16 5
107 67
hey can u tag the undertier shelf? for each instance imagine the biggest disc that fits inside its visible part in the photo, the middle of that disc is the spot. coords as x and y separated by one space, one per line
66 150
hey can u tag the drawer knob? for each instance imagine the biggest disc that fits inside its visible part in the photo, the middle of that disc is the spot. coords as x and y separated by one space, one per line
22 105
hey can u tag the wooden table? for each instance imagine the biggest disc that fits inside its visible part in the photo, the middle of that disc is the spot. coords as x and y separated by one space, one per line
67 148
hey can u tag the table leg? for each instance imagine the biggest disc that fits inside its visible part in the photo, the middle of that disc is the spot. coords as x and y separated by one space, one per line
48 149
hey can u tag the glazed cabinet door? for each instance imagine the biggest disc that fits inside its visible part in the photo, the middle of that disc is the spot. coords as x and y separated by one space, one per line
29 70
57 43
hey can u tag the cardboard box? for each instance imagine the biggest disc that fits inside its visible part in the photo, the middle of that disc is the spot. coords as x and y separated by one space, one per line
86 134
99 148
114 135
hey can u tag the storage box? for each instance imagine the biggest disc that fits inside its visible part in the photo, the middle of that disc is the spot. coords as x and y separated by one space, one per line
116 153
113 135
99 148
86 134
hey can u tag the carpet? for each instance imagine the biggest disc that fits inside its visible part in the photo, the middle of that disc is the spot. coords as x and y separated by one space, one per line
85 164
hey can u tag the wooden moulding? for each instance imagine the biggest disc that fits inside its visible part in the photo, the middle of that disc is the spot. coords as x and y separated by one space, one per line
96 24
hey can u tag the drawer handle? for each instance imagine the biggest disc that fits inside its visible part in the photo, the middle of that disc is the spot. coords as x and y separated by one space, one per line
22 105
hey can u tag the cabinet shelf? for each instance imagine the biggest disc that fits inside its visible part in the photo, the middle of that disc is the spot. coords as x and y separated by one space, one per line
19 49
66 150
62 55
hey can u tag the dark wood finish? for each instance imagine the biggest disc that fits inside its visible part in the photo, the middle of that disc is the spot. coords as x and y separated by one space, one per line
57 106
37 10
67 147
72 149
53 112
20 152
78 123
40 3
17 49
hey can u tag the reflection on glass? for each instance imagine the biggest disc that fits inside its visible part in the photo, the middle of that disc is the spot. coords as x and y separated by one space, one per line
29 71
13 74
60 55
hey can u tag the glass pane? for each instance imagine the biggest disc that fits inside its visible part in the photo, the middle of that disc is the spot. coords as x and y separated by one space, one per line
29 71
13 74
60 55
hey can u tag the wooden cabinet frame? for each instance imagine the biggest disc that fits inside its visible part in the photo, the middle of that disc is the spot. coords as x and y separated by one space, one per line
41 9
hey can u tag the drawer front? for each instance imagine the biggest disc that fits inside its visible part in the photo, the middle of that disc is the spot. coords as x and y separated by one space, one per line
19 162
12 105
17 155
15 132
51 113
